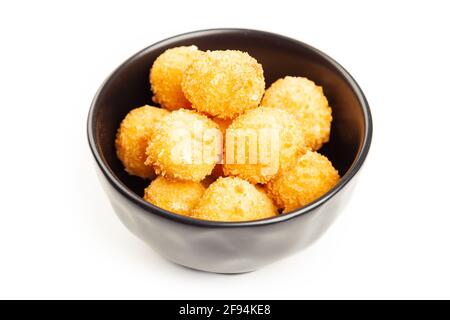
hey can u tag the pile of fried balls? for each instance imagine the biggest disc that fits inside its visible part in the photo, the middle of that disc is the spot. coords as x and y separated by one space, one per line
203 95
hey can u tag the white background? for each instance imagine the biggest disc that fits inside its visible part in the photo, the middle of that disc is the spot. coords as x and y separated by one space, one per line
59 237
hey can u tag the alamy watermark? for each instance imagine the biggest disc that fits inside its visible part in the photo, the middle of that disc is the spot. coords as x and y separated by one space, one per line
238 147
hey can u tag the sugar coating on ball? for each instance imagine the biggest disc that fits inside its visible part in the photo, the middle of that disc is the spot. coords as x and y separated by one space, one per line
307 101
133 136
176 196
184 146
224 83
311 177
260 142
234 199
166 75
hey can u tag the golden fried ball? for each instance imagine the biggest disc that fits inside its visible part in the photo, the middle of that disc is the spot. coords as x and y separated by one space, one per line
132 139
311 177
166 75
175 196
260 142
307 101
224 83
184 146
234 199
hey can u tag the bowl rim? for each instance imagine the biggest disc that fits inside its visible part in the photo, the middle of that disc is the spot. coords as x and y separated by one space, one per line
152 209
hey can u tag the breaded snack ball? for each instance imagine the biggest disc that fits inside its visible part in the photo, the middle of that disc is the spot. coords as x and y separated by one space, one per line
260 142
184 146
175 196
166 75
224 83
306 100
234 199
311 177
132 139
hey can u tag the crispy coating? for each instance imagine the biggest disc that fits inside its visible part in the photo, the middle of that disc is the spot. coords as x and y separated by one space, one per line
311 177
184 146
234 199
132 139
224 83
273 134
176 196
307 101
166 75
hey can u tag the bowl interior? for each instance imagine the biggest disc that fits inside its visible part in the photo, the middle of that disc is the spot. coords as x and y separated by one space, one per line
128 87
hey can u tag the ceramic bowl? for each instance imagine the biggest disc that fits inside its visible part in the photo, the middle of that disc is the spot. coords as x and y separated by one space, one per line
230 247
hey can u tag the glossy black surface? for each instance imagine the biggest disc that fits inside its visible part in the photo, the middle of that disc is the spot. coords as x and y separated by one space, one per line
220 246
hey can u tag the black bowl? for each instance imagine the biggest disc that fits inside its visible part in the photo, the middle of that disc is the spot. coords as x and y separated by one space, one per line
230 247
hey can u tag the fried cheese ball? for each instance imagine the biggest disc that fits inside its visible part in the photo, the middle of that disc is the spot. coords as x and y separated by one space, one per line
234 199
306 100
184 146
132 139
224 83
260 142
166 75
175 196
311 177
